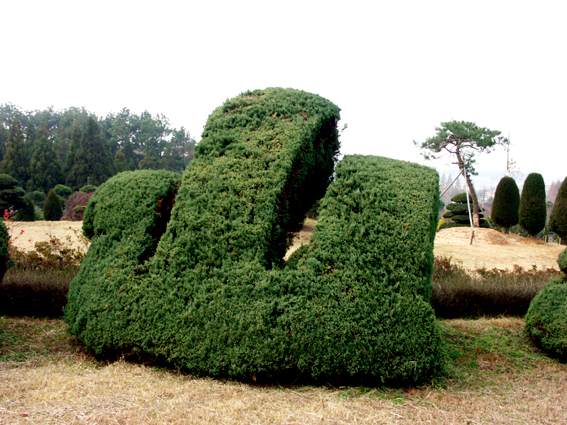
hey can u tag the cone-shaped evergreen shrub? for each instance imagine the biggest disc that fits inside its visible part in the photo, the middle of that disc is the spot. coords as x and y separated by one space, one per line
558 218
27 213
215 296
52 209
533 210
506 205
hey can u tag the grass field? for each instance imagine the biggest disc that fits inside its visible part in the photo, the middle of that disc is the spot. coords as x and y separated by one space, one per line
494 375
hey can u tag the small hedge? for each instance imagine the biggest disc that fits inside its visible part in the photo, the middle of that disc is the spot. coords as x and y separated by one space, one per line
216 298
546 320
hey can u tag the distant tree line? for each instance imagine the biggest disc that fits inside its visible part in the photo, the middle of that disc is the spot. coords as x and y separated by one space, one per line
74 147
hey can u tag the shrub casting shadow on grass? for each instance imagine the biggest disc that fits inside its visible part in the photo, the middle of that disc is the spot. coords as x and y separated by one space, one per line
459 294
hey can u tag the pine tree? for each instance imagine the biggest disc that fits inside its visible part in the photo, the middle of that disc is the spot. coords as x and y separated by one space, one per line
558 219
533 211
16 159
44 167
90 164
52 209
506 205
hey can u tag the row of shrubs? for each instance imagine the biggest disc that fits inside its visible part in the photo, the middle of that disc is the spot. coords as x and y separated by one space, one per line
38 283
60 203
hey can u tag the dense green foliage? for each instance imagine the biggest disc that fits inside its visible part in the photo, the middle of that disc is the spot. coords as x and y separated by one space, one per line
91 162
27 213
546 320
45 169
533 210
506 205
458 212
215 296
52 209
562 261
63 191
126 139
11 195
5 261
16 159
463 140
87 188
558 218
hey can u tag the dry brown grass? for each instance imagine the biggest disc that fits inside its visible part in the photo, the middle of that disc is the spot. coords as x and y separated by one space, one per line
485 384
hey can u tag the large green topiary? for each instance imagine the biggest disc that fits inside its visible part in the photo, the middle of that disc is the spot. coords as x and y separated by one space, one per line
52 209
533 210
558 218
506 205
215 296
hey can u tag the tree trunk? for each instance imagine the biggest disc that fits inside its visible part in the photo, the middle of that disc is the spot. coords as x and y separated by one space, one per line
475 209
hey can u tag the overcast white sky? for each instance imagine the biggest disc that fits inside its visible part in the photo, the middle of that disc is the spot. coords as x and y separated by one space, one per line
397 69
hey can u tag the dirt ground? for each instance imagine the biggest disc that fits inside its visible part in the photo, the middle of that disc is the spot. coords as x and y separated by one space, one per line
490 250
26 234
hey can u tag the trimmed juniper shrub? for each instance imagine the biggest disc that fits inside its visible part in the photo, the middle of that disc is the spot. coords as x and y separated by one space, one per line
546 320
88 188
562 261
533 210
52 209
558 218
457 213
506 205
63 191
213 296
27 213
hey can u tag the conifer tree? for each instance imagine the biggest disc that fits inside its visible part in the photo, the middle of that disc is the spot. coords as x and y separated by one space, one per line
45 169
533 211
506 205
558 219
16 159
52 209
90 163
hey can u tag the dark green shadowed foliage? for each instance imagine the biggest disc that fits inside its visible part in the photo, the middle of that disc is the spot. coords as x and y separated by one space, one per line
217 299
506 205
558 218
533 210
52 209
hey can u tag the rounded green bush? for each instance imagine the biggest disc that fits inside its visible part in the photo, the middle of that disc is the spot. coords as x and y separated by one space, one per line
63 191
546 320
212 295
88 188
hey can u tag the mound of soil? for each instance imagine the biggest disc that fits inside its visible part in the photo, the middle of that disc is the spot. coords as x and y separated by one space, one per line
490 249
26 234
